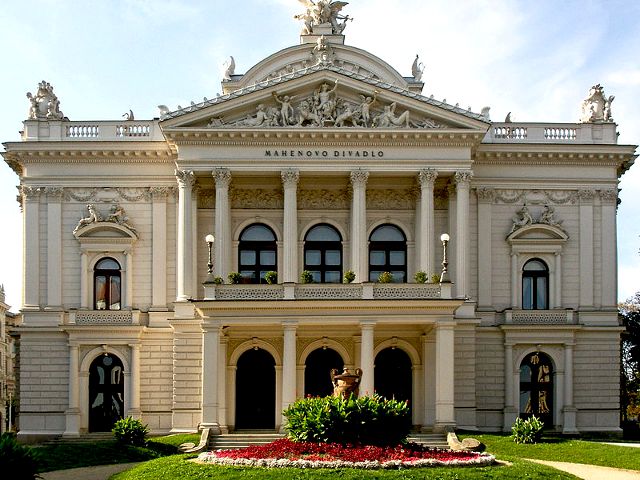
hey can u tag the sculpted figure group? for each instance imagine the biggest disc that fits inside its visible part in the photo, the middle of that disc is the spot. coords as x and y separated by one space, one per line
524 218
597 106
116 215
44 105
323 12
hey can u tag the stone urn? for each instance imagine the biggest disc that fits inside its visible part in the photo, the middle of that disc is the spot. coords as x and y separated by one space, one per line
345 383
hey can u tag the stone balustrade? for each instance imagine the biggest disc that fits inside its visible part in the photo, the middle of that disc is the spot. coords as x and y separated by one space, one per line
100 131
579 133
103 317
540 317
329 291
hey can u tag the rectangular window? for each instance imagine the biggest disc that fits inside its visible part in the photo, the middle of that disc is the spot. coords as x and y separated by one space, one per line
115 293
267 257
527 293
396 258
101 292
377 257
332 276
541 293
247 257
313 257
332 257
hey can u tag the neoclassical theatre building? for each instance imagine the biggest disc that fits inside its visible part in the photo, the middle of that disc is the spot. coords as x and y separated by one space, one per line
320 163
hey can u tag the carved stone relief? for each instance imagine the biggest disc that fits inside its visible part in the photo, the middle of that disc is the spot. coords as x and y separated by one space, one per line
388 199
524 218
322 199
256 198
536 197
114 194
116 214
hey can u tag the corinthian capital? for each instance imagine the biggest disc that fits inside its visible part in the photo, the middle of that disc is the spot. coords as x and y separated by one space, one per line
222 176
464 176
290 177
486 194
609 197
30 193
54 193
359 178
186 178
427 177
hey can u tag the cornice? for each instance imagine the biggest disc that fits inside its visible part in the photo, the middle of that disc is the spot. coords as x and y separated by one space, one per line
325 137
542 157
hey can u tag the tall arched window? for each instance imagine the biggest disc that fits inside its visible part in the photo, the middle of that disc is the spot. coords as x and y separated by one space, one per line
388 253
323 254
257 253
536 387
107 285
535 285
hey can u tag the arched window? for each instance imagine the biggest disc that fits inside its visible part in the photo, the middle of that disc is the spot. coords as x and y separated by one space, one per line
536 388
535 285
323 254
388 253
257 253
107 285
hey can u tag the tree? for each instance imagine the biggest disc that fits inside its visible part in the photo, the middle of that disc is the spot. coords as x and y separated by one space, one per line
630 360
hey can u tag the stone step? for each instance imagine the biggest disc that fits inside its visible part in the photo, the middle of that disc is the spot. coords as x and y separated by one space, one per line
82 439
434 440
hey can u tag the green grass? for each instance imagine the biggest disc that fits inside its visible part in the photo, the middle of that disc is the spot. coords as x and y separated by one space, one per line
178 466
563 450
63 456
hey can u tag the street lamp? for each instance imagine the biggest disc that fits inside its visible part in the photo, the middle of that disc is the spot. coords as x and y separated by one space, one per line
444 276
209 239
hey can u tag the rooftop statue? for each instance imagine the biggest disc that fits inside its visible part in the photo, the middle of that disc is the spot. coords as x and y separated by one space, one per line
417 69
44 104
597 107
323 12
230 68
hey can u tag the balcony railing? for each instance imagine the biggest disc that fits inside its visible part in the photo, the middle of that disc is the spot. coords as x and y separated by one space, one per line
104 317
92 131
329 291
539 317
578 133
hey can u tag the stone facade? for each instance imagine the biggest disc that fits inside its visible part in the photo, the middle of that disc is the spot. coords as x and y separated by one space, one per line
123 316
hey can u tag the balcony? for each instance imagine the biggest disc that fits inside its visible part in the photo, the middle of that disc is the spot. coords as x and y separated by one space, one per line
558 133
540 317
103 317
92 131
329 291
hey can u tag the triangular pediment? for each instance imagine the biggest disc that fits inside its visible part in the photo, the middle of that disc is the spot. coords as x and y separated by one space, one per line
323 97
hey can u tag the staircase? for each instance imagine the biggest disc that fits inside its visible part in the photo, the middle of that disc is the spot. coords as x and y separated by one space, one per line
82 439
433 440
242 439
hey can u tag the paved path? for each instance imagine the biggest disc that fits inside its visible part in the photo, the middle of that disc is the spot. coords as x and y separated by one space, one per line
101 472
590 472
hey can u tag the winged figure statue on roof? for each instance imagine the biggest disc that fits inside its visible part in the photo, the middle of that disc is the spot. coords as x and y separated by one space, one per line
323 12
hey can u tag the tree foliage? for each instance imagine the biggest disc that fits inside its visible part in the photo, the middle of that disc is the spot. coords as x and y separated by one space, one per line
630 352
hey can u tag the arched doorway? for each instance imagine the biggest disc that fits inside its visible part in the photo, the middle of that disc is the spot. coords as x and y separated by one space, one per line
317 371
106 392
392 374
536 388
255 391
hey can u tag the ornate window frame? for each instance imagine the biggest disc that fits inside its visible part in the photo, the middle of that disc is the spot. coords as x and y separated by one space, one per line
544 242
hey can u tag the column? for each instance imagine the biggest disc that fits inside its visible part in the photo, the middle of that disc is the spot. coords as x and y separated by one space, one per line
569 411
485 200
222 245
366 356
54 247
290 258
609 275
445 372
72 428
510 412
359 250
186 180
127 301
222 384
463 181
429 381
427 262
451 230
31 242
159 248
134 403
515 281
288 366
210 371
84 281
586 248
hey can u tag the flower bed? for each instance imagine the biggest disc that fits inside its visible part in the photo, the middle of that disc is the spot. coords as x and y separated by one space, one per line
286 453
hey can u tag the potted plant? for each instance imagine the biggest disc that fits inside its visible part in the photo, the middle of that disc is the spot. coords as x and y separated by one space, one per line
234 277
218 280
349 276
271 277
435 278
420 277
385 277
306 276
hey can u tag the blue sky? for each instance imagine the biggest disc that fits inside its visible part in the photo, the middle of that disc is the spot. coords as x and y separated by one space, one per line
535 59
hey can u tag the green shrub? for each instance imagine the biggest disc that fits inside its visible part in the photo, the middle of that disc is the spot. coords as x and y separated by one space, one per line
435 278
130 431
17 462
234 277
385 277
218 280
271 277
420 277
349 276
366 420
527 431
306 276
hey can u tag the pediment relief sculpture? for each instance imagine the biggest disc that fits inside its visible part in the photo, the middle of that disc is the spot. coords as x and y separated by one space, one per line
44 104
523 219
597 107
116 215
325 108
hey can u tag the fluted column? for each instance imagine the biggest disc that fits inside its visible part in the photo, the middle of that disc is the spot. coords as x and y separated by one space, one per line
359 250
210 371
288 366
222 245
427 178
290 252
72 427
31 241
445 376
134 404
186 180
463 181
366 356
54 247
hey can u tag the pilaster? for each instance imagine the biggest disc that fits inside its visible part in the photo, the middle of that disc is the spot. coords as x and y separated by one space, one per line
159 248
72 414
290 180
569 411
463 181
222 263
134 403
586 248
210 372
609 241
445 371
427 178
510 412
54 247
485 274
31 248
186 180
288 366
359 263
